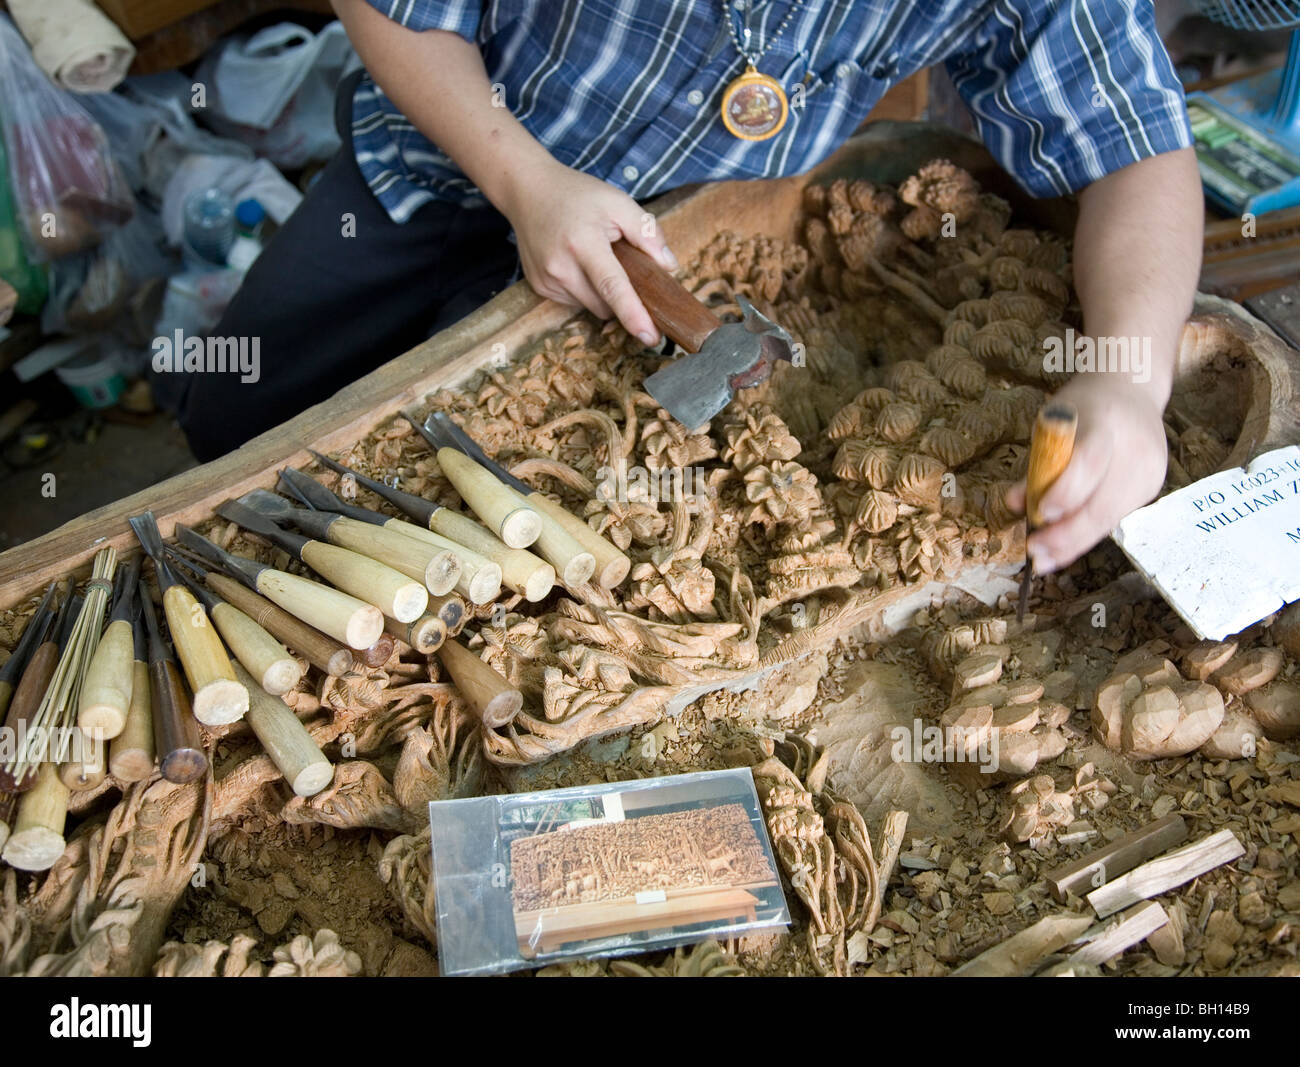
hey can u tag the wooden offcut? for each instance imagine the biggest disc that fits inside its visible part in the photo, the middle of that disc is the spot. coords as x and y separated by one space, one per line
1167 872
1123 854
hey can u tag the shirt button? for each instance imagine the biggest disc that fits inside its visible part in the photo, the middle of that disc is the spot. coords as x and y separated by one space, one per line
631 173
695 97
844 69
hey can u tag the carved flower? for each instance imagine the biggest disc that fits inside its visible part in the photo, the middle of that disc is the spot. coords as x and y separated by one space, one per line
943 186
677 583
946 445
668 444
919 479
519 398
877 512
898 421
318 957
622 522
514 648
780 492
761 438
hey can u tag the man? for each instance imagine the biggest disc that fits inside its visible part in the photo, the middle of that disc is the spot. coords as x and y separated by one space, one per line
549 119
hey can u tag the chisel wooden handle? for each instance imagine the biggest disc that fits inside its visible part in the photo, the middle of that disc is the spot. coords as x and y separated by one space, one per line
521 572
496 700
131 753
27 698
8 810
85 769
37 838
500 507
392 592
286 740
379 653
425 635
106 691
219 697
265 658
612 566
452 610
355 622
678 314
319 650
570 558
480 577
175 730
1050 449
434 566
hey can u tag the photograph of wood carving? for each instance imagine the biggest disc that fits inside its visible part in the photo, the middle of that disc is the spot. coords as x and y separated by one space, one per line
828 392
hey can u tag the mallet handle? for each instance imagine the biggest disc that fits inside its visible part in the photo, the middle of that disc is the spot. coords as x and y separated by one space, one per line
678 314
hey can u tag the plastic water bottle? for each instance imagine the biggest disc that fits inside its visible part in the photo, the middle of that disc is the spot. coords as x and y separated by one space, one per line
248 246
210 225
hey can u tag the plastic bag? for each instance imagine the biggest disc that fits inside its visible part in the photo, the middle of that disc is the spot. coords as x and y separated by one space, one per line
68 191
275 91
27 278
150 130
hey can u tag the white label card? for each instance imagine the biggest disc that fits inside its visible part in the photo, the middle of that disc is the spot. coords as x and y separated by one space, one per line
1224 551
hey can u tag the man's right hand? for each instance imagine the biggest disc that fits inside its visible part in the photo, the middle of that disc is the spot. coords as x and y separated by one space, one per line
565 222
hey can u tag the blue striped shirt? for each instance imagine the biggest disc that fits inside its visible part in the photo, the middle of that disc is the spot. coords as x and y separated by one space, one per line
1064 91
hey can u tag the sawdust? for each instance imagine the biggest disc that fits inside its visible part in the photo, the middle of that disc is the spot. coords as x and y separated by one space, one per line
924 362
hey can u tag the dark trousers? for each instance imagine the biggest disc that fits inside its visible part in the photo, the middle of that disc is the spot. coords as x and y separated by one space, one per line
328 307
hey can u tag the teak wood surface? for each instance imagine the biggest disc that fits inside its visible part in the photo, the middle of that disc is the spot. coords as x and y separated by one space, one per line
517 318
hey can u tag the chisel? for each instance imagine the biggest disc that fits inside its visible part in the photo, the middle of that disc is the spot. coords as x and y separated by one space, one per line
573 547
521 571
479 578
501 510
219 697
392 592
261 654
8 809
287 742
33 684
131 752
344 617
425 635
318 649
105 696
437 568
495 700
1050 447
33 634
176 740
84 760
452 610
37 838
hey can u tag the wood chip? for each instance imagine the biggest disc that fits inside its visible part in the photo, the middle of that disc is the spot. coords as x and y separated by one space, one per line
1167 941
1020 954
1120 934
1168 872
1123 854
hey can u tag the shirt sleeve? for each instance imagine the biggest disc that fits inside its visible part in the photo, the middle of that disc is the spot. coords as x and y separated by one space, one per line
1068 91
457 16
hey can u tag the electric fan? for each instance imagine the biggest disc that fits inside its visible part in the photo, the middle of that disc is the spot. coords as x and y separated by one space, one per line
1248 133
